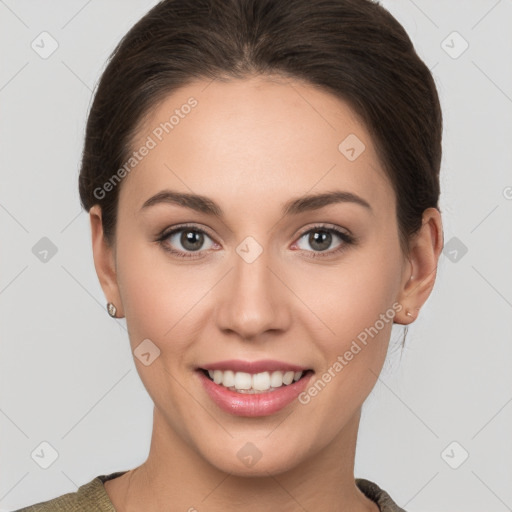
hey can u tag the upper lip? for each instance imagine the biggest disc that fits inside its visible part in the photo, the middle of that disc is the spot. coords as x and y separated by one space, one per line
263 365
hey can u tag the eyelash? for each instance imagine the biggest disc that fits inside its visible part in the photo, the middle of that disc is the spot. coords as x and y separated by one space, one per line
345 237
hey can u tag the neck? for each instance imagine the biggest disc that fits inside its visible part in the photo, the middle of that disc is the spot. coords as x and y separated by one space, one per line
176 477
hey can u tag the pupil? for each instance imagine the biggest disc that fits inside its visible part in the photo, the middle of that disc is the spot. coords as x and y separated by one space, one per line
192 240
315 238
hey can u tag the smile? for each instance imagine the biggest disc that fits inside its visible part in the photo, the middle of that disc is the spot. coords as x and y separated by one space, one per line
242 382
253 389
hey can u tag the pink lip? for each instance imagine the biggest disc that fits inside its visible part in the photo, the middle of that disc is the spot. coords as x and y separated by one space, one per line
263 365
261 404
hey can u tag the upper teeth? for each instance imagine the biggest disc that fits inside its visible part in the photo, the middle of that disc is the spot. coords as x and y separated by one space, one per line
258 381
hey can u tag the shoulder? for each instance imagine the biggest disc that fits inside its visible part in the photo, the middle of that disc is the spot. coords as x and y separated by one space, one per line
372 491
90 496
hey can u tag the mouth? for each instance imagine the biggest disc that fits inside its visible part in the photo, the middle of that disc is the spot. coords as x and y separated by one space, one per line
254 394
255 383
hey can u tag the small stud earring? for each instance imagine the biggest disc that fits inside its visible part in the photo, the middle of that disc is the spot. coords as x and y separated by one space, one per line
408 313
111 309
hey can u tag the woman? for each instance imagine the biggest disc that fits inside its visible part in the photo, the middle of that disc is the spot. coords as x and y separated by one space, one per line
262 179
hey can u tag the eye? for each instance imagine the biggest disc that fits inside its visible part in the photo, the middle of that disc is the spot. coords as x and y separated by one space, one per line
321 239
187 239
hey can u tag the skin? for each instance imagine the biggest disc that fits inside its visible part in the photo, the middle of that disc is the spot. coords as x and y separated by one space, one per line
251 145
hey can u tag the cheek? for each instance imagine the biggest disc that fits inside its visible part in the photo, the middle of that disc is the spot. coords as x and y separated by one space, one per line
351 296
156 294
355 302
158 300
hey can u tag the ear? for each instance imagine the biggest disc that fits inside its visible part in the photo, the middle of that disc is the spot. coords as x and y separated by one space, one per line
104 261
420 274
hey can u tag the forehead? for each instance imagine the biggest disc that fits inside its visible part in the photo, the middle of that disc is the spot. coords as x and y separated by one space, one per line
253 140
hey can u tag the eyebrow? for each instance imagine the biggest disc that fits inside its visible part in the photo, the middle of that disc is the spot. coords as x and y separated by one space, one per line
294 206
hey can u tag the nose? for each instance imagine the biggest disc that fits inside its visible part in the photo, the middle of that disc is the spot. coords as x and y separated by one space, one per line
253 299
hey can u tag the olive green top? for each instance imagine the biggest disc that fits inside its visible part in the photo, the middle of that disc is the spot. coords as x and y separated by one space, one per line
92 497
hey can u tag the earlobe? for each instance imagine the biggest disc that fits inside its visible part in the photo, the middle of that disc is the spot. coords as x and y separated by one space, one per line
104 261
419 280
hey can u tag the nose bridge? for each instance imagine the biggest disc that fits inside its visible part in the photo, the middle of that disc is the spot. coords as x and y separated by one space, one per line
252 302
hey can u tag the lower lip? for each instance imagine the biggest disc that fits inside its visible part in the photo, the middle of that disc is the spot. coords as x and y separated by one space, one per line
255 404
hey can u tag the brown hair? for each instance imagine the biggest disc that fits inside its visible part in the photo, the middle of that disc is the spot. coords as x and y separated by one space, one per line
354 49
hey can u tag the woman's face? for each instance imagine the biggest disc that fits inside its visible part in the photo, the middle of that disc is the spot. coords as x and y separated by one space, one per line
262 280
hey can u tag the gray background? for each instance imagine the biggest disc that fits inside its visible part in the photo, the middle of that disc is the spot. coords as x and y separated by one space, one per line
67 374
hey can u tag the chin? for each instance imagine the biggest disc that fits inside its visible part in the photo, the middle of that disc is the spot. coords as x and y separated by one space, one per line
253 459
